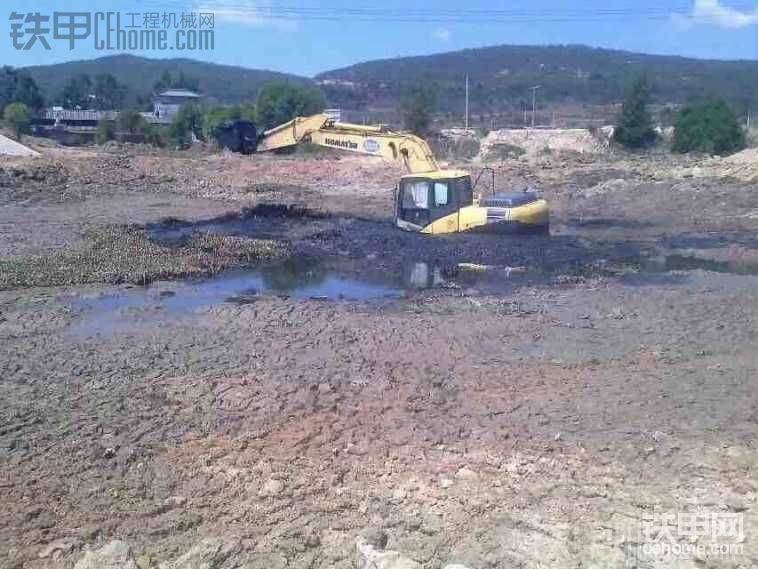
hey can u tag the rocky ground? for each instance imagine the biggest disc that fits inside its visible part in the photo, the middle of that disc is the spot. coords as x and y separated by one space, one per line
561 401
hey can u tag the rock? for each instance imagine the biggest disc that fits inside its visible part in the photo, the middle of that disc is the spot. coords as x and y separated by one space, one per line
43 520
210 553
445 482
175 501
312 540
113 555
466 474
369 556
398 495
272 488
264 561
456 566
145 561
376 537
59 548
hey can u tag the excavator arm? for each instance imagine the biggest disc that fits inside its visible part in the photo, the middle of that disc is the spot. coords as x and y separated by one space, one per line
323 130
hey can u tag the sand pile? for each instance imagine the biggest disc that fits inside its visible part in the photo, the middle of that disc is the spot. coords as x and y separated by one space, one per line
743 165
12 148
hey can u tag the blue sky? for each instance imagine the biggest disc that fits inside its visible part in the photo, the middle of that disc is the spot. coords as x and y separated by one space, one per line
306 37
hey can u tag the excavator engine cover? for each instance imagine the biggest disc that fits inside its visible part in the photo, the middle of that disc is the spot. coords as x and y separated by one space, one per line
511 199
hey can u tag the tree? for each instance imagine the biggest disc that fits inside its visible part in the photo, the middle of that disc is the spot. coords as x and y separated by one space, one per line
8 79
181 81
417 105
18 87
106 131
28 93
214 116
634 128
109 94
281 101
710 127
16 117
186 123
76 93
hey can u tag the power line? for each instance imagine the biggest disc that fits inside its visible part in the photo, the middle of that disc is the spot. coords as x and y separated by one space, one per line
461 16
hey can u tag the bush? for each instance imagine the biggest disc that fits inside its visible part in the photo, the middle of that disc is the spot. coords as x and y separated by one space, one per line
635 128
106 130
709 127
280 101
16 117
155 135
417 105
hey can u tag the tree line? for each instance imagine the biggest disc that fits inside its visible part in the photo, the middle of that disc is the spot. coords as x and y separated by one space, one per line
709 126
276 103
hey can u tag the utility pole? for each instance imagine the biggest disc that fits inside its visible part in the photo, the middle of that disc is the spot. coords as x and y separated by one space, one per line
534 103
467 102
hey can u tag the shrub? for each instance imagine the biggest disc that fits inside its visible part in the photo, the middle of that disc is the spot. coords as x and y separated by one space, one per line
709 127
131 122
16 117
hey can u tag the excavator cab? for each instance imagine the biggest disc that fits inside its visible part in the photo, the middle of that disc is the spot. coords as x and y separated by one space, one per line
445 202
432 202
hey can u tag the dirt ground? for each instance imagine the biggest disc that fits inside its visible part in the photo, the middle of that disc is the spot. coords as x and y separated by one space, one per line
555 401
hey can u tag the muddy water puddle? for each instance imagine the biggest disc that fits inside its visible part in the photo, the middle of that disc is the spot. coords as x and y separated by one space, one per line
297 278
680 262
345 281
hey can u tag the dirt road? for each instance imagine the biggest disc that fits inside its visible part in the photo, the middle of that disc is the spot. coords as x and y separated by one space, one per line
494 401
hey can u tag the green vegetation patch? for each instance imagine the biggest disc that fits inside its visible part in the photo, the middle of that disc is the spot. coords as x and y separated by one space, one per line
504 151
125 254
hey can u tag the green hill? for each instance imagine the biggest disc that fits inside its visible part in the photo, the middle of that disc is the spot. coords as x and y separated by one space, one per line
224 83
501 76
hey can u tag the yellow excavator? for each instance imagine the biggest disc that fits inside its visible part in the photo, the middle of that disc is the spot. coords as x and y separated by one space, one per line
428 199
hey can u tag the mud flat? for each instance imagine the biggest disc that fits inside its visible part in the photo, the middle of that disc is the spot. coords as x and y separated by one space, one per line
484 400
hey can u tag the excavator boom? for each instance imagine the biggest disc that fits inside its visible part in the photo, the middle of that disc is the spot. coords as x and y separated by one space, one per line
374 140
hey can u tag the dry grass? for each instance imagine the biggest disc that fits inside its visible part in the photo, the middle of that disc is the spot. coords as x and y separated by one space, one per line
126 255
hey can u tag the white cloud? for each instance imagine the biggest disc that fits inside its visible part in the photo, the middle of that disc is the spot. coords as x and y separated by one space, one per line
441 34
246 12
713 12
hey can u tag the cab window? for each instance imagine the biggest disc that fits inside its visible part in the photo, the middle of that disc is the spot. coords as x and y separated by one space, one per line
416 195
441 194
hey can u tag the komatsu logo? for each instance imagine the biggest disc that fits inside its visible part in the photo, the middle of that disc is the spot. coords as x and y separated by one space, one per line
346 144
371 145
